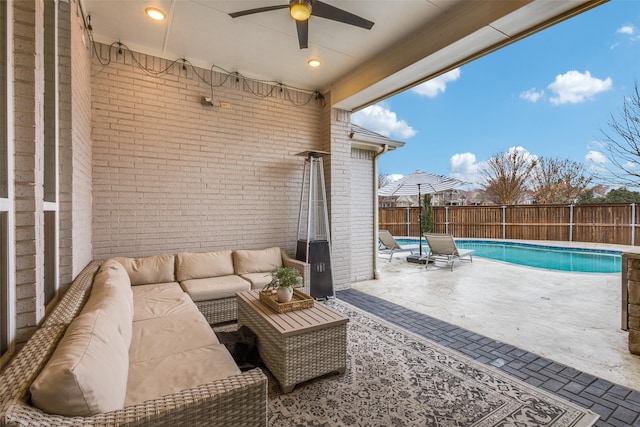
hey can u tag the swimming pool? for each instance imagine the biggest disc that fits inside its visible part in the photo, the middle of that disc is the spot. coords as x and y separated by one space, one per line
541 256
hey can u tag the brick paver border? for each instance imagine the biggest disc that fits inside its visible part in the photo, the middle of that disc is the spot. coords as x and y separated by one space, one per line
616 405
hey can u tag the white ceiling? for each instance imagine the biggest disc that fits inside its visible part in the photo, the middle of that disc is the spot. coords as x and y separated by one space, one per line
411 41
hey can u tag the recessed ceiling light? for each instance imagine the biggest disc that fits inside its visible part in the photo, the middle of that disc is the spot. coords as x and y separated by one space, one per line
155 13
313 63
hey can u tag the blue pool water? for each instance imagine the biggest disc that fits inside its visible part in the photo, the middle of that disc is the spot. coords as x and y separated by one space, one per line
540 256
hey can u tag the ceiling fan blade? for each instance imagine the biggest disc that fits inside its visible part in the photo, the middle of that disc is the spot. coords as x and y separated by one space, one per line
324 10
303 33
257 10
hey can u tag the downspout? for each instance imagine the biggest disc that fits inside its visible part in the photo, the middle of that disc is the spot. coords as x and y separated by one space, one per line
376 204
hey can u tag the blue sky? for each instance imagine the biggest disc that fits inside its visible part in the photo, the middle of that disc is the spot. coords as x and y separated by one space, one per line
550 94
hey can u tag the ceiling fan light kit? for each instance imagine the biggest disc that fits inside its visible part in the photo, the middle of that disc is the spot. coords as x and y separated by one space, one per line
300 10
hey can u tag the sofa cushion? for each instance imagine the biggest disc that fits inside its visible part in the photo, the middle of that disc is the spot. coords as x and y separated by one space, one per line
149 270
257 261
180 371
201 265
111 292
257 280
215 287
163 299
87 373
160 337
112 274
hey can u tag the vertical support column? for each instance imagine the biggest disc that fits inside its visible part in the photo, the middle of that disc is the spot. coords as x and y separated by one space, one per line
29 160
631 290
337 172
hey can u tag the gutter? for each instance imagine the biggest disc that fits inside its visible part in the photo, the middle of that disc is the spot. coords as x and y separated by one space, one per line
381 151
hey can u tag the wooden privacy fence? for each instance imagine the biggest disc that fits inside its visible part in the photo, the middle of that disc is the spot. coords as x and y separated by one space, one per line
598 223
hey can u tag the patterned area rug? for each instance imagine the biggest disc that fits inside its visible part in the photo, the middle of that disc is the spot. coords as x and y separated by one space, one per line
396 378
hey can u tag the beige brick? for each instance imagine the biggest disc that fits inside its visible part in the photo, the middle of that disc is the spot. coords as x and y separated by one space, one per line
634 341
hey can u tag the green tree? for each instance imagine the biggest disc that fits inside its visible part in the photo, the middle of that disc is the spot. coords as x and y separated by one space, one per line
559 180
622 195
426 225
587 197
506 176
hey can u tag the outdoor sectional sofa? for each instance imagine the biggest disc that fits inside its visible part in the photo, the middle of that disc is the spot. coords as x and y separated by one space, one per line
126 345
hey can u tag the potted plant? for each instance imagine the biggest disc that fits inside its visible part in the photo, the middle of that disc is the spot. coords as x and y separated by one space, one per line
283 280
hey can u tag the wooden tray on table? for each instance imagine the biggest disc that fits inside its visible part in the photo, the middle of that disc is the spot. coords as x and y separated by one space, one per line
299 301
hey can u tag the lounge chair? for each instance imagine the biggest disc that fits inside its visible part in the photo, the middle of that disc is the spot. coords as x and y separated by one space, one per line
442 247
390 246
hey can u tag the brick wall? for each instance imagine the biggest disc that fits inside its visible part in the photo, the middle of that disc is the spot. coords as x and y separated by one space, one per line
80 189
631 296
336 124
170 174
28 158
362 202
65 199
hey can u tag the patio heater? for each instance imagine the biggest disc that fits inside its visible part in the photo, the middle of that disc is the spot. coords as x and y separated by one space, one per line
314 243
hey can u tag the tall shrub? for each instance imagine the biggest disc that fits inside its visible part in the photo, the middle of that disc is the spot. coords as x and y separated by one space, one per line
426 225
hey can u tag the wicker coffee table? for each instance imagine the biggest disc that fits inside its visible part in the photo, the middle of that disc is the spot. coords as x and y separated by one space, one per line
299 345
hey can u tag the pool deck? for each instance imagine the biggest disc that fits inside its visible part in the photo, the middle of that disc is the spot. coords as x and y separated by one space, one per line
569 318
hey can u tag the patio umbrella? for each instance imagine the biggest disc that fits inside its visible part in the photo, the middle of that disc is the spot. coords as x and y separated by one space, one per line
419 183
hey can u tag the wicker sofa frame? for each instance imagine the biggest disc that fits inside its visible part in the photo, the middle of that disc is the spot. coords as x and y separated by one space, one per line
226 309
239 400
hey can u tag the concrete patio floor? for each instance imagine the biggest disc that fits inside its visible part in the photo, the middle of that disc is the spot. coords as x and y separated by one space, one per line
571 318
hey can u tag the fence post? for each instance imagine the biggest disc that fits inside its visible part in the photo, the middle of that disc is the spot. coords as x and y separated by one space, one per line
446 219
571 223
633 224
408 220
504 222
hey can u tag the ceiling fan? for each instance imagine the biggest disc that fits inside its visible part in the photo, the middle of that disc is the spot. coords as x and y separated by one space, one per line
301 10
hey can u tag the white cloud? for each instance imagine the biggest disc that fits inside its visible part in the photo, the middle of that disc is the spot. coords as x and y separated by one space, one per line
464 166
629 30
574 87
526 155
532 95
379 118
395 177
596 157
596 161
434 86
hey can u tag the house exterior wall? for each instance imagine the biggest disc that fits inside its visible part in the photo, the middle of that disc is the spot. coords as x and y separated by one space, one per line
335 139
28 177
144 168
80 187
362 214
28 157
74 197
171 175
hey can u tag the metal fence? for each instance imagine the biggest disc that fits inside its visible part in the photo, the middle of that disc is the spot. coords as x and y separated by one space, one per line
598 223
